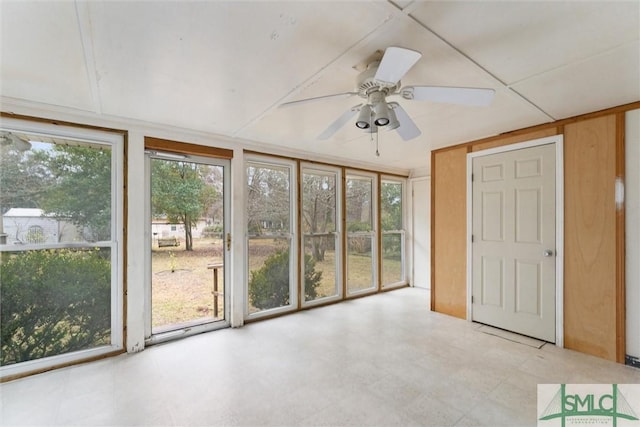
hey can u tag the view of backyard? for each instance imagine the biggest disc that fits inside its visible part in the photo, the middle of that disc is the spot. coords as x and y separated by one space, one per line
58 276
183 286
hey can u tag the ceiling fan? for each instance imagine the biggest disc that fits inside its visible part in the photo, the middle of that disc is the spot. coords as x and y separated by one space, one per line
381 80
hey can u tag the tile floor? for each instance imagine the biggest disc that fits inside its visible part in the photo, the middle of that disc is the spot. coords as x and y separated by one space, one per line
383 360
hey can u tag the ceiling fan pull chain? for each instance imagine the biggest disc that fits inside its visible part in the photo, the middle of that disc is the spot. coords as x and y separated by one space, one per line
377 152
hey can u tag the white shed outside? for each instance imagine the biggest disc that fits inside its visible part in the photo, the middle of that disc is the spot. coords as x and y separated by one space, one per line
31 225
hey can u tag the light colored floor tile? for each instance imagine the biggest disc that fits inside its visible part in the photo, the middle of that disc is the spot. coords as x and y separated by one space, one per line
383 360
490 413
456 394
429 411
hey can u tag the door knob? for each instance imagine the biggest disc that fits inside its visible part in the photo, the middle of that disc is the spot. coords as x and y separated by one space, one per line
548 252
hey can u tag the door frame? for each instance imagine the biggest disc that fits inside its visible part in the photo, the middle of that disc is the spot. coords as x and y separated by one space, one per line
150 338
558 142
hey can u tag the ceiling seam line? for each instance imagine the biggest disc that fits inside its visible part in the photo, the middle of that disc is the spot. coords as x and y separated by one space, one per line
520 95
81 9
320 72
576 62
478 65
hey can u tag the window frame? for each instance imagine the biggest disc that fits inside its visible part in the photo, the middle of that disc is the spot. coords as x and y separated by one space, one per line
152 337
375 215
402 232
339 220
116 141
291 165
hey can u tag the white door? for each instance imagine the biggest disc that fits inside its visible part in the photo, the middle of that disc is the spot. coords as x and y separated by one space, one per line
189 209
421 218
514 238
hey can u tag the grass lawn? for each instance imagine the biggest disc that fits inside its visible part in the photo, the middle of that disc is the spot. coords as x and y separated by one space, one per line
182 286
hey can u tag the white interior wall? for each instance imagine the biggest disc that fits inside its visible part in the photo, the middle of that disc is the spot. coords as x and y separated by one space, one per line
420 232
632 226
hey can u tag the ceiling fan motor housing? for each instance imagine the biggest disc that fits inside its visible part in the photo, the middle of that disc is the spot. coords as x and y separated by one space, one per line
367 83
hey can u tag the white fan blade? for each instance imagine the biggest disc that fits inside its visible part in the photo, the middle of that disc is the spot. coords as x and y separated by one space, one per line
408 129
317 98
450 95
395 64
340 121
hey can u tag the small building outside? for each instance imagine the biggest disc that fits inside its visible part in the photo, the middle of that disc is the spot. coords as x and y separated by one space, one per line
33 226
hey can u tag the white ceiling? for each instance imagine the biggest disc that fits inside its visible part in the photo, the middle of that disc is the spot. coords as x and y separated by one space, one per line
223 67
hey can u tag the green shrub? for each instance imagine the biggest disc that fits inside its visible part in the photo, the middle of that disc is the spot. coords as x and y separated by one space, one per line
392 247
53 302
359 244
355 226
269 286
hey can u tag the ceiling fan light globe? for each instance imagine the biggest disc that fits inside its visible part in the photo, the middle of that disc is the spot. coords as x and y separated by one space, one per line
380 112
364 118
393 120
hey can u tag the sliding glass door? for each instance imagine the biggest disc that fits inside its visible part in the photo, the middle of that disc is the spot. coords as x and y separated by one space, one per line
188 244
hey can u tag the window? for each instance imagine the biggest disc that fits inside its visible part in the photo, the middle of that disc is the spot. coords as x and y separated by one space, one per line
392 221
60 282
35 234
361 240
321 234
271 257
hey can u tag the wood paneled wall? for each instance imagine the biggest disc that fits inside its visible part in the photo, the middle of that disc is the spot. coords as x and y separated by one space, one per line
449 228
591 285
594 317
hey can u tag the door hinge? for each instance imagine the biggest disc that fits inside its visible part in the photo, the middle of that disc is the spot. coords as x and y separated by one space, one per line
472 299
228 241
472 238
472 177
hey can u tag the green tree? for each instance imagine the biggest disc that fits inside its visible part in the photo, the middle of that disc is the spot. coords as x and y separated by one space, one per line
391 218
24 178
391 205
358 203
81 188
268 198
269 286
180 193
319 211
